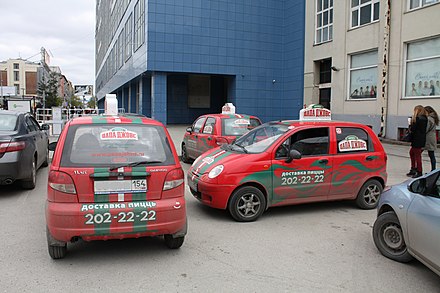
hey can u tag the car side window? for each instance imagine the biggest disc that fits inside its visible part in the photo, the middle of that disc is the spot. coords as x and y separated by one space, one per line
35 123
209 126
30 125
198 124
352 139
309 142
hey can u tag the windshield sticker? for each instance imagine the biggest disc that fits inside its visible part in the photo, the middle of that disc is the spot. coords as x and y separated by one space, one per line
118 133
122 154
338 130
352 143
242 122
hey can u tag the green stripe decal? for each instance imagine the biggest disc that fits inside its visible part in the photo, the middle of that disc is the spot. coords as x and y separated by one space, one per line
103 228
138 225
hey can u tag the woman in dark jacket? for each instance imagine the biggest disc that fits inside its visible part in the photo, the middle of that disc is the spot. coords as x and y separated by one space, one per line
431 135
417 128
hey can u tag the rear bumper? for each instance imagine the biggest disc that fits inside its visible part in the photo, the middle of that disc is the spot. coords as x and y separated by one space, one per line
11 167
117 220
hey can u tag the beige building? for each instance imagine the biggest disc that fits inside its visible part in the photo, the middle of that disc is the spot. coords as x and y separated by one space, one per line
20 74
373 61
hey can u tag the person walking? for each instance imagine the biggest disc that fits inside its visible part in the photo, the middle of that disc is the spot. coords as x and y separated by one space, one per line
417 128
431 136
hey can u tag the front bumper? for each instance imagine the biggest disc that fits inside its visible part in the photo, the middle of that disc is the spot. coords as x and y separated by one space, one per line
211 194
118 220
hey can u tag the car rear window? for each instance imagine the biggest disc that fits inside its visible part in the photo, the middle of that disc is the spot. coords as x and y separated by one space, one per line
8 122
238 126
115 145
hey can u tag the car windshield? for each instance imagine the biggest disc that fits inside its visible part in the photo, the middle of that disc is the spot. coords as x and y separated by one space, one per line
8 122
260 138
238 126
116 145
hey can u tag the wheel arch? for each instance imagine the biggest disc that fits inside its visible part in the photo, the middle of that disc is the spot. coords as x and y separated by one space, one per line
257 185
384 209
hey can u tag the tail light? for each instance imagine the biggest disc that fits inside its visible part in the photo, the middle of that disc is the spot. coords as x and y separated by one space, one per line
221 140
174 178
62 182
13 146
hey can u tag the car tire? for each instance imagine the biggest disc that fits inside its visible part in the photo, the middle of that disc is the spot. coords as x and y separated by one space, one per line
247 204
388 237
57 252
185 157
30 182
46 160
173 243
368 196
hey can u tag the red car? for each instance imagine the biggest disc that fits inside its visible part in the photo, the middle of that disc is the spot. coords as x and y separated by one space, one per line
114 177
291 162
211 130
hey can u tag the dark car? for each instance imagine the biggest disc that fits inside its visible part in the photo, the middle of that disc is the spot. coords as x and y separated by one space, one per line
23 148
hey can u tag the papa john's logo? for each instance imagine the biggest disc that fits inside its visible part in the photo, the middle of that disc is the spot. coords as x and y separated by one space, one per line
118 133
352 143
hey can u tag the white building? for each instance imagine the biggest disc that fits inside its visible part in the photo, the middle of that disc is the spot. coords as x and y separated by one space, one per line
372 61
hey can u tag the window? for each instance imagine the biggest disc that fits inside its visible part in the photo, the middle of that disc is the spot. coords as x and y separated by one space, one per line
128 38
139 24
324 21
16 75
363 12
422 68
350 139
238 126
198 124
209 126
363 76
413 4
16 66
311 142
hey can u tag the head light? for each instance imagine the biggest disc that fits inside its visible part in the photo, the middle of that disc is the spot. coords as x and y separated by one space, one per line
217 170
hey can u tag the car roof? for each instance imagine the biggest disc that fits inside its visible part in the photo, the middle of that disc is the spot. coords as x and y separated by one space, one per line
298 123
115 119
11 112
220 115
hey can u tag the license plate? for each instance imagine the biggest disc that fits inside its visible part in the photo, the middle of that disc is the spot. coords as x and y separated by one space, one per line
192 184
120 186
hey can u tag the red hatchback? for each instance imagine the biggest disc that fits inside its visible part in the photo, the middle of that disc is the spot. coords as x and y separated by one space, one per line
211 130
291 162
114 177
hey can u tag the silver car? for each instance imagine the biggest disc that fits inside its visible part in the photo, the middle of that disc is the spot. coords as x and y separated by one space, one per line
408 221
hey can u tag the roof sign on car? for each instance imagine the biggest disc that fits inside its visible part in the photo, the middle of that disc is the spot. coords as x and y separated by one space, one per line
110 105
228 108
315 112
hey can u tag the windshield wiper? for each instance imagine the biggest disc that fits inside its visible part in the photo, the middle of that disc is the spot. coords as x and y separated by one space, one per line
242 147
134 164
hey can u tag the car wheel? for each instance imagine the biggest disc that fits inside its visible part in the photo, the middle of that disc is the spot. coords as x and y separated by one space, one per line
368 196
46 160
173 243
246 204
30 182
388 237
185 157
57 252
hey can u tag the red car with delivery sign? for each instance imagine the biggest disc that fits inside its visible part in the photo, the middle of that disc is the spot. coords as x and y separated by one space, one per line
292 162
114 177
211 130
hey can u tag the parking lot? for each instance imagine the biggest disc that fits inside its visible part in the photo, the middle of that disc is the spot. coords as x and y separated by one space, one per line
321 247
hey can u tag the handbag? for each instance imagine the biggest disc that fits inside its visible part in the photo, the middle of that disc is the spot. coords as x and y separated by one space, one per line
407 136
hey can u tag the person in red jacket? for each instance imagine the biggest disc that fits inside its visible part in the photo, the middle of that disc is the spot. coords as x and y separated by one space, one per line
417 128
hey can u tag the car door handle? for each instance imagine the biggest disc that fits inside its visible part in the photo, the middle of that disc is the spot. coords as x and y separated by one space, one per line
323 161
369 158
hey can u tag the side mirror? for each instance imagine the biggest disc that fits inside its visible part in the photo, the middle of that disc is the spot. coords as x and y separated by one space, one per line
52 146
45 127
418 186
189 129
293 155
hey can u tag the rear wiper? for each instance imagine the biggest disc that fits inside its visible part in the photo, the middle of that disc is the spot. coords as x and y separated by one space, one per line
134 164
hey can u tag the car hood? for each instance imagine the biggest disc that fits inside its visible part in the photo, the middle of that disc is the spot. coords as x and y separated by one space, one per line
218 156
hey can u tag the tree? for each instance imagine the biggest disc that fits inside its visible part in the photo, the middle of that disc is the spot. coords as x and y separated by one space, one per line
92 103
49 89
75 101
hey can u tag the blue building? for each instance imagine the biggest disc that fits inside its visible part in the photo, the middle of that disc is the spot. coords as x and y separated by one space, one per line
174 60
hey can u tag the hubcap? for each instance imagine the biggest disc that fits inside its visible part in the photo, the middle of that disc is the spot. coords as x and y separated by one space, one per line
248 205
392 235
371 195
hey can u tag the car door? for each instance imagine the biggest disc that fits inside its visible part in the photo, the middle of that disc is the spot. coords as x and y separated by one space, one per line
307 179
423 223
206 137
38 137
193 137
355 161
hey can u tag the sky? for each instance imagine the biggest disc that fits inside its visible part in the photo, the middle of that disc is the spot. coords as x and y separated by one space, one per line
66 28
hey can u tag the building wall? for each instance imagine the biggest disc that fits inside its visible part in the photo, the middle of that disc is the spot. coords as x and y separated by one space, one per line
405 26
256 46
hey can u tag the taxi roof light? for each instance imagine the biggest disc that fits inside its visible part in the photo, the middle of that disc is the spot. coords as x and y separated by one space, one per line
315 112
110 105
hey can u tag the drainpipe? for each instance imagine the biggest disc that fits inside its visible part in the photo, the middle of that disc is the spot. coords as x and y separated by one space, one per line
385 68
